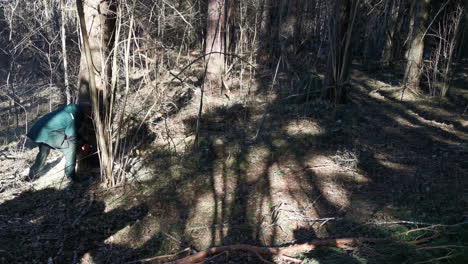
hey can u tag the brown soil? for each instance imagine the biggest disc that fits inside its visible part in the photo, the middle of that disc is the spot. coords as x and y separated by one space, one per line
306 171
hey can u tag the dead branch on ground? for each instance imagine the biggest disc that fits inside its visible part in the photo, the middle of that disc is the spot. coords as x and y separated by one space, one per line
344 243
291 250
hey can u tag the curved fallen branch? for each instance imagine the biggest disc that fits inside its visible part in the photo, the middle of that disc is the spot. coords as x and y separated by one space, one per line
288 251
344 243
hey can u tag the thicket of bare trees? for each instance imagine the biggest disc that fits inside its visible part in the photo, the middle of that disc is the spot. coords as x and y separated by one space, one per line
237 40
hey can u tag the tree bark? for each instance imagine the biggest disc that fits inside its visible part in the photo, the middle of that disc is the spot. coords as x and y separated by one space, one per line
100 20
64 52
265 29
265 23
215 44
415 51
97 19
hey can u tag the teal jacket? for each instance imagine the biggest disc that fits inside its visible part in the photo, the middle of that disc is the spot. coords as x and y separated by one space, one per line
58 128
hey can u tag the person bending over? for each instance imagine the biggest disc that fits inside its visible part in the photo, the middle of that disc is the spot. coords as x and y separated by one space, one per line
58 130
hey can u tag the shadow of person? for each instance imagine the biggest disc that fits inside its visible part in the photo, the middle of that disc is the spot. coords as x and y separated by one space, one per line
62 226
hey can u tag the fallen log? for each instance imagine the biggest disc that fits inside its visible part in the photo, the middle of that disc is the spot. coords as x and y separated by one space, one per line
344 243
287 251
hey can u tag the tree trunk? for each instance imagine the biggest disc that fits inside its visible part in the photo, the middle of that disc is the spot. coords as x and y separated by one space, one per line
265 23
393 13
265 32
64 51
215 44
453 40
97 21
231 26
341 24
416 44
100 21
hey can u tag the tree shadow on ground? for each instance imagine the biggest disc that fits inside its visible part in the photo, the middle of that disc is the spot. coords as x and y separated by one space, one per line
251 161
247 169
62 225
410 159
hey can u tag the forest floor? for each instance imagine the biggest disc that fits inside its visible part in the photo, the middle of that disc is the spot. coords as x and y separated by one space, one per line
268 171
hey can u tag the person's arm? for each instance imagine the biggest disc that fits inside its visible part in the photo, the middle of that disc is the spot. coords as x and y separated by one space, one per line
71 133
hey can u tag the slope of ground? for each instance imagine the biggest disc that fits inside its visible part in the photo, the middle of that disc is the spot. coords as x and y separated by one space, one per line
266 172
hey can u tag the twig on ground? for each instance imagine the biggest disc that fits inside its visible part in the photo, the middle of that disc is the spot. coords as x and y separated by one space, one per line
291 259
448 247
207 226
308 219
172 237
399 223
159 257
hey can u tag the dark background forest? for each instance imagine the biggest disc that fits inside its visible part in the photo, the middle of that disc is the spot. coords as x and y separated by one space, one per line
307 131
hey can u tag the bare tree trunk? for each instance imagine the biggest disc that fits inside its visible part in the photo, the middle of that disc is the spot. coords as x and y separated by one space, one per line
452 42
265 19
341 22
64 52
393 14
97 21
231 25
215 44
265 31
100 21
419 18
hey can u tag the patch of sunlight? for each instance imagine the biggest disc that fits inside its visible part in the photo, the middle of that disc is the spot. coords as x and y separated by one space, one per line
311 261
421 123
87 259
335 193
114 201
116 238
280 143
315 160
203 209
397 166
258 154
54 177
303 128
135 235
441 139
280 178
325 167
205 220
403 121
348 177
37 219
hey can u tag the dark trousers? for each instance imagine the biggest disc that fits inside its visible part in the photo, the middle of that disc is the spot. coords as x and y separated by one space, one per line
44 150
